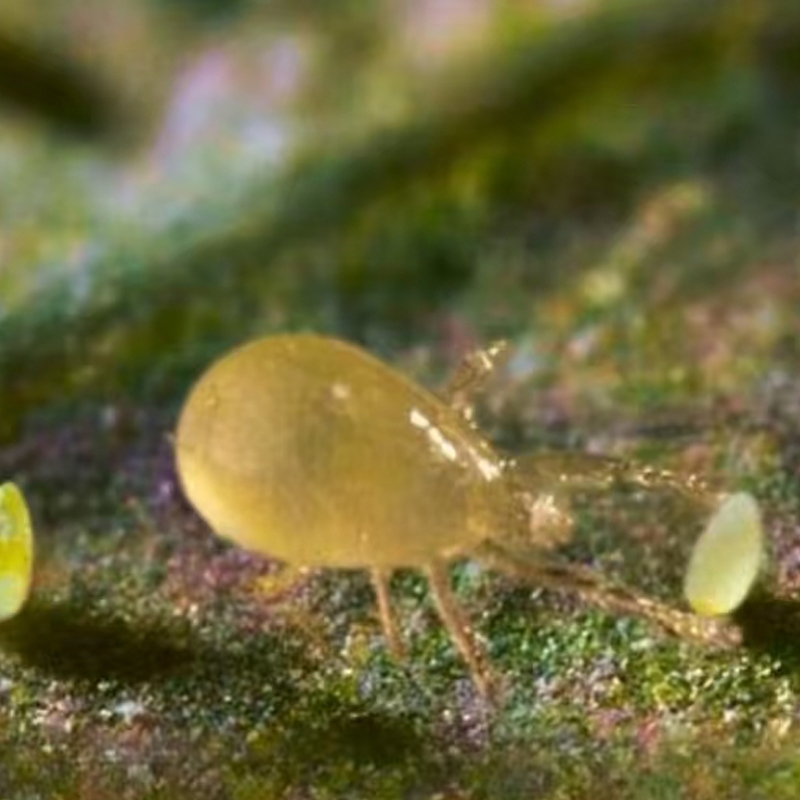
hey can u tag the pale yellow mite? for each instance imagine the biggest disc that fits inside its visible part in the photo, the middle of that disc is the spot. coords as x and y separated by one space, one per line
726 559
16 551
312 451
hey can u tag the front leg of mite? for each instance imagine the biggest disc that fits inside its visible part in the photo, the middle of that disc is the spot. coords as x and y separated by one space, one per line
471 376
597 590
579 471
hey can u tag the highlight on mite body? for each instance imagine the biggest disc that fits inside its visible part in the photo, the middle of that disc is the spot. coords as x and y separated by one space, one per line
726 558
16 551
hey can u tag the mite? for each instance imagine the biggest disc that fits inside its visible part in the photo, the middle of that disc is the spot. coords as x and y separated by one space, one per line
311 451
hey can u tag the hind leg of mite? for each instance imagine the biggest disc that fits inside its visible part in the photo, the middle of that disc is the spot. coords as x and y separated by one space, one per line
391 631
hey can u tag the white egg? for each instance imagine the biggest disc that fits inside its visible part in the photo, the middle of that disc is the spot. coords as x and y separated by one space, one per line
726 558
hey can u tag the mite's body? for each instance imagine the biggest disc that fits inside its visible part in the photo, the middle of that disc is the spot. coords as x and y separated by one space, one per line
314 452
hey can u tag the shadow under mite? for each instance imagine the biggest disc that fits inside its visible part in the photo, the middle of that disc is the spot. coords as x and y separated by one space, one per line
67 640
317 729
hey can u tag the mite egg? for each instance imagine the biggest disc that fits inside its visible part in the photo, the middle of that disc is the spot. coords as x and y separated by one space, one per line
726 558
16 551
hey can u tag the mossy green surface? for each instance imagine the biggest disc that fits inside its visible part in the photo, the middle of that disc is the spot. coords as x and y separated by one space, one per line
646 276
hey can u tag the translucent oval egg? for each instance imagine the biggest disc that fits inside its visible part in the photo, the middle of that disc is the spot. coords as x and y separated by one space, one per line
726 558
16 551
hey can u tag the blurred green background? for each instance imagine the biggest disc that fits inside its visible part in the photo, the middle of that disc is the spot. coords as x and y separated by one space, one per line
611 186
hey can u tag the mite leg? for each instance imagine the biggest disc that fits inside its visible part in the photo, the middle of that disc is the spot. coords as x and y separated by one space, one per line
380 582
598 591
470 377
590 472
458 626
